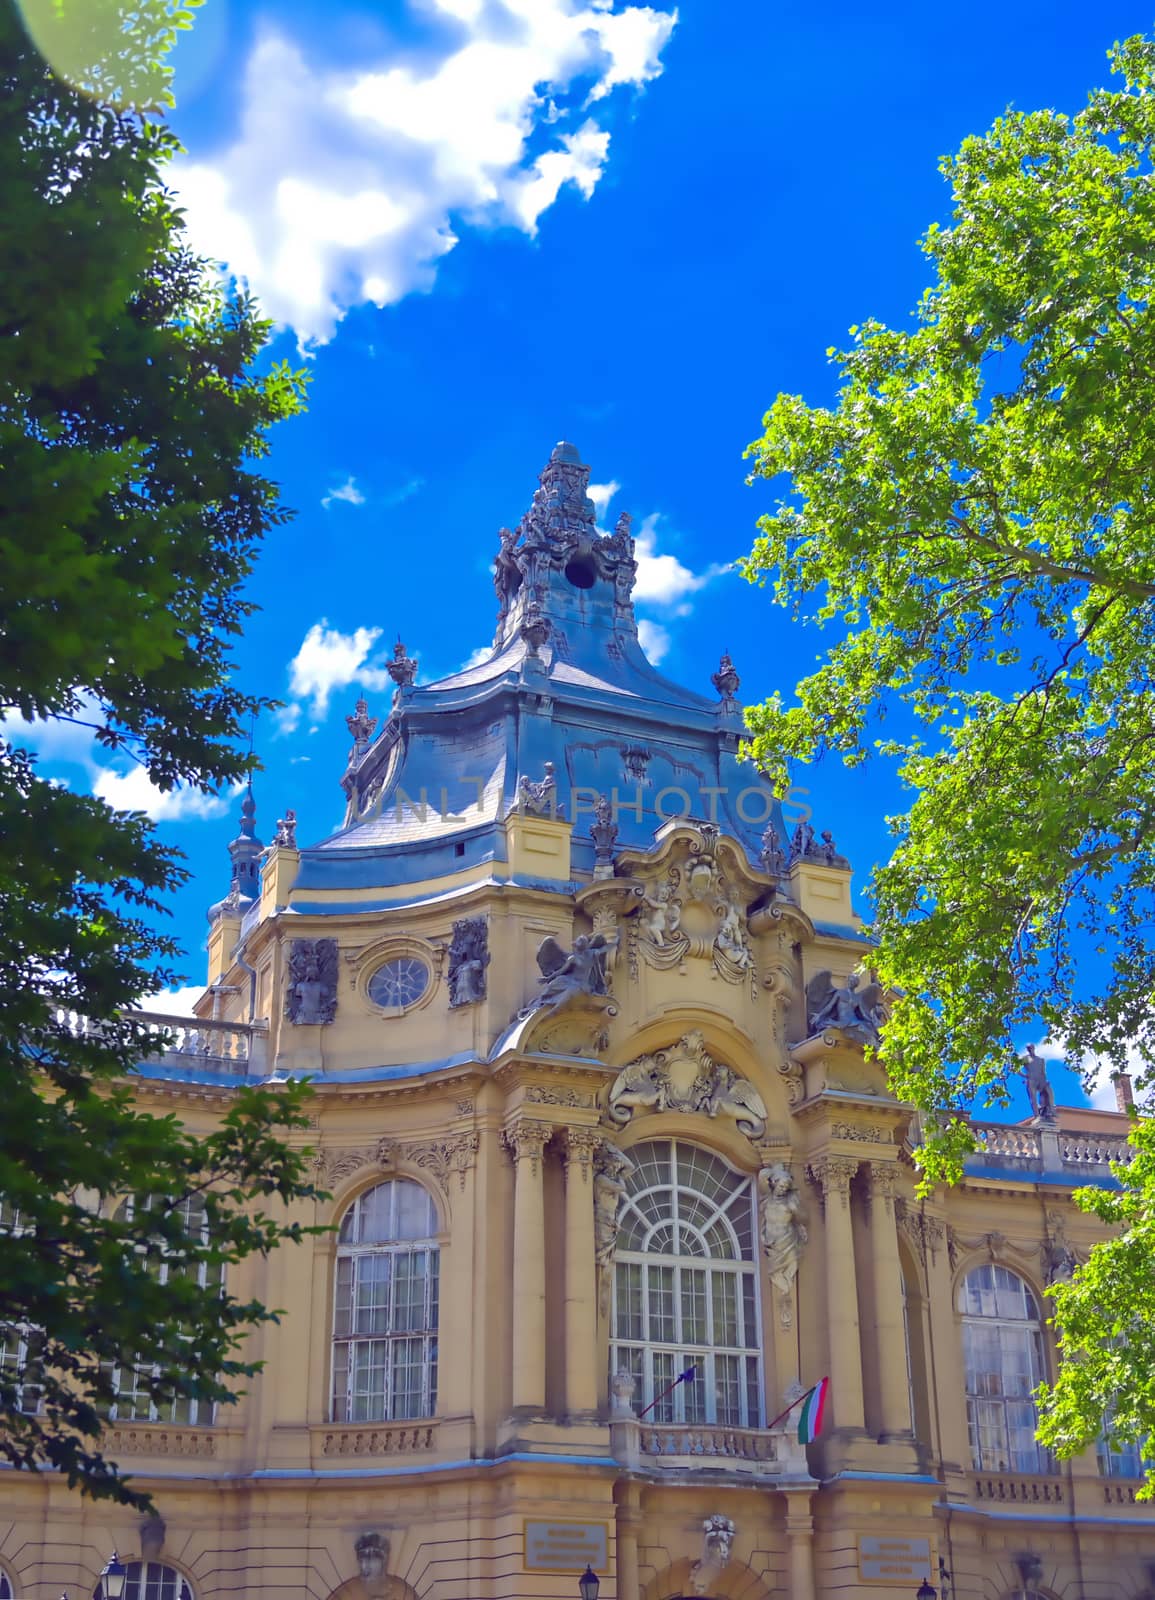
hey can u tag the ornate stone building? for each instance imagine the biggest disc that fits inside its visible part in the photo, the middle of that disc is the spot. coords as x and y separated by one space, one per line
586 1021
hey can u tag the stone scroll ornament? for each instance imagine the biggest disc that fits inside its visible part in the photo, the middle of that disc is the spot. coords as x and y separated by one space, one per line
468 961
686 1078
311 992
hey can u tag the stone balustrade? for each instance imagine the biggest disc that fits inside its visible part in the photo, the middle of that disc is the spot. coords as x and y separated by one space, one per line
1046 1148
709 1445
1011 1488
239 1045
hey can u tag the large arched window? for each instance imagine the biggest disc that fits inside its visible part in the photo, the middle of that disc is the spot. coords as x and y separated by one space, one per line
6 1590
686 1287
385 1317
130 1380
151 1580
1003 1352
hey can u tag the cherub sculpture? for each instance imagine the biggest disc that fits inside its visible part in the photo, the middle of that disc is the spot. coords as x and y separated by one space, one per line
858 1012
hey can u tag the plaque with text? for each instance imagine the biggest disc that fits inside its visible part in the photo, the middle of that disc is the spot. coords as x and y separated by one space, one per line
884 1558
566 1547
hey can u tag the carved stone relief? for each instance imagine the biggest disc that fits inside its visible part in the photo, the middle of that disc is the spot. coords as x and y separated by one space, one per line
693 909
925 1233
783 1233
468 960
441 1158
717 1541
611 1169
311 992
686 1078
857 1011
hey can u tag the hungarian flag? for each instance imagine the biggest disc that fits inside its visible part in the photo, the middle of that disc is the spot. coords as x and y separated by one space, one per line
812 1405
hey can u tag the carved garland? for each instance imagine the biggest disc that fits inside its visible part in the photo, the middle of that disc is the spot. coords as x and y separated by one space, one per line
439 1157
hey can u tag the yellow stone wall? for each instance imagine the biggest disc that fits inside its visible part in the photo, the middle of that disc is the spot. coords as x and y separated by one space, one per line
270 1500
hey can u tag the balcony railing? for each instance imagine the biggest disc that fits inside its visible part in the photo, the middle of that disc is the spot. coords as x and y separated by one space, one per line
1049 1149
235 1046
679 1445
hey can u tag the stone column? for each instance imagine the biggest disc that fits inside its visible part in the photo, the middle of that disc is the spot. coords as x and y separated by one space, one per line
526 1140
629 1517
832 1175
581 1333
800 1545
886 1269
456 1394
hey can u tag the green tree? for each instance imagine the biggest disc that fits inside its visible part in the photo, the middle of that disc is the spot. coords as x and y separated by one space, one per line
974 514
131 415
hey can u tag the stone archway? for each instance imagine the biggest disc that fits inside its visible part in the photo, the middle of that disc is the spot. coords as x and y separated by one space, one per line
736 1581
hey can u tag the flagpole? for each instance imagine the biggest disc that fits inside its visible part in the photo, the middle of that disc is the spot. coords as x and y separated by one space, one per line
791 1406
682 1377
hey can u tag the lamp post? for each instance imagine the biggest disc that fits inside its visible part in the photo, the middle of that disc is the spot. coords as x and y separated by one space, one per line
588 1584
113 1577
927 1590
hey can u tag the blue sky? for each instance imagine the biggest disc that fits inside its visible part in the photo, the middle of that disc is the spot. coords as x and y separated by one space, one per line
489 227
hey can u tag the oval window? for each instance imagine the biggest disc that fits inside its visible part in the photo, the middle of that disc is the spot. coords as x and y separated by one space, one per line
399 983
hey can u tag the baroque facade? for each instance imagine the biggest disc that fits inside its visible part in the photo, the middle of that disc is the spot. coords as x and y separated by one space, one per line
587 1022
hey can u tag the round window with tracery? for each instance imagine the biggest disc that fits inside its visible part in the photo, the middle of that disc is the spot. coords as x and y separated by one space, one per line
399 983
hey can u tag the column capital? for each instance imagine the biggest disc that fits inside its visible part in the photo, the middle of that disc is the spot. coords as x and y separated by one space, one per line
581 1145
526 1139
881 1181
831 1175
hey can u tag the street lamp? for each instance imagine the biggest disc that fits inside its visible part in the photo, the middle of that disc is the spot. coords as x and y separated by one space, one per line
588 1584
927 1590
112 1578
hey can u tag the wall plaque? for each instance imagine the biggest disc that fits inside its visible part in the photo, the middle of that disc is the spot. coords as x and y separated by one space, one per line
886 1559
567 1547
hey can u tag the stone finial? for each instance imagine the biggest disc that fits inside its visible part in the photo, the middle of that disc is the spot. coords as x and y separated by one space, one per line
726 680
361 725
622 1387
286 834
245 852
1124 1093
604 834
403 668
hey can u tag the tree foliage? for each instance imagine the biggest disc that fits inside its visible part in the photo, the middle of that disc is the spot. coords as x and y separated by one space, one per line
974 514
132 412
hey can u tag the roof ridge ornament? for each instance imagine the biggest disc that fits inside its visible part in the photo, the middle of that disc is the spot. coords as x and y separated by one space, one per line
362 726
726 681
403 667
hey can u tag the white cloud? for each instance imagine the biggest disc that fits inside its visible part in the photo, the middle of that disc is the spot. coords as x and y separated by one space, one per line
55 738
662 579
653 638
602 493
1094 1070
348 491
345 186
174 1002
328 660
135 791
476 657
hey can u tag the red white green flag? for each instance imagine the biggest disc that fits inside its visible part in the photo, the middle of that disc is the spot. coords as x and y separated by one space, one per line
812 1405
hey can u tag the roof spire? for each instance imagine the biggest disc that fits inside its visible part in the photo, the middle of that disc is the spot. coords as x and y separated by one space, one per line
245 854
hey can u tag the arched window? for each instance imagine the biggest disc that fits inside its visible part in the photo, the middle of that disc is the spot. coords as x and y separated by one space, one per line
686 1287
1003 1352
385 1317
130 1380
151 1580
6 1589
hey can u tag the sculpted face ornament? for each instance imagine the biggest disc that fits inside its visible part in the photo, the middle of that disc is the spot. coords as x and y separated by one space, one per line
717 1541
372 1552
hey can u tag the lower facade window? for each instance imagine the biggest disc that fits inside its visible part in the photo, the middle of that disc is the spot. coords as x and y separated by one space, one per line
385 1316
686 1288
1003 1352
151 1580
20 1349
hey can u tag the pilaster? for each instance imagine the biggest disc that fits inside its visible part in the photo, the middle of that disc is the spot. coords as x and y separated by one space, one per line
581 1342
832 1176
526 1139
890 1335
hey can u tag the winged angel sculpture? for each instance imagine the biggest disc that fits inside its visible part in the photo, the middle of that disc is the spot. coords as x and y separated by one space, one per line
858 1012
567 974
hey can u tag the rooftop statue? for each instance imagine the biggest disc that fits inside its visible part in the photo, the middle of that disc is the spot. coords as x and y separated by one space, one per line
1039 1091
858 1012
567 974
